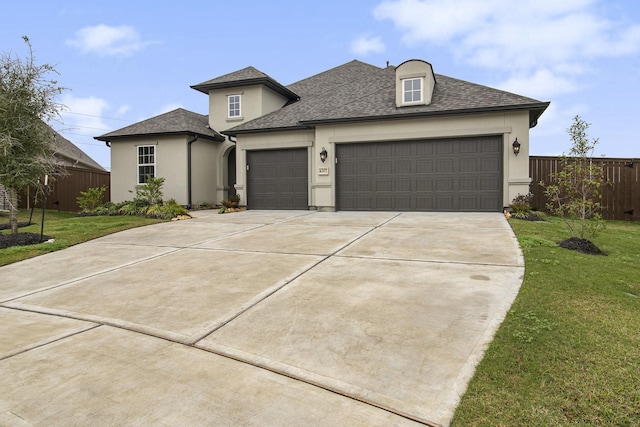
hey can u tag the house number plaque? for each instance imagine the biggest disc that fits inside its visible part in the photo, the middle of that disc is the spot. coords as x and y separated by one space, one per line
323 171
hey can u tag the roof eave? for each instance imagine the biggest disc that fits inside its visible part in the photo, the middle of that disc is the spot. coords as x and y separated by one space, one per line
270 83
107 138
234 133
535 110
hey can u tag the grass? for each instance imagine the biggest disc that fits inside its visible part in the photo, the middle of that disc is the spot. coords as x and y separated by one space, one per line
568 352
67 229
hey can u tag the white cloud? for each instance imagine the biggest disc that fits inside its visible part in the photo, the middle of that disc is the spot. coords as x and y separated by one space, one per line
364 45
105 40
124 109
547 46
541 84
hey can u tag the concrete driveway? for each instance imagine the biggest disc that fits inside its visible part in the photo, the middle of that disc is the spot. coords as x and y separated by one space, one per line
257 318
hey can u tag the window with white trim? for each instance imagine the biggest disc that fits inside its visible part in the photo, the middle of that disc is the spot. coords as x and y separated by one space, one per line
234 106
412 90
146 162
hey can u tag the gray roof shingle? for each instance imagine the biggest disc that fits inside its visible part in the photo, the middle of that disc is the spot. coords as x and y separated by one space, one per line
246 76
74 155
178 121
357 91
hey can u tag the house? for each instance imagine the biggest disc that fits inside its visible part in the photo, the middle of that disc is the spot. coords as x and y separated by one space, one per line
67 154
81 172
355 137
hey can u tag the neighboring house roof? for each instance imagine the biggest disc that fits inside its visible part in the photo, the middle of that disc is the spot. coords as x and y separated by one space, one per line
178 121
70 155
357 91
247 76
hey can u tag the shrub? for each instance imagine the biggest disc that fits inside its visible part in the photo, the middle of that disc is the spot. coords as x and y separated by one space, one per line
232 201
575 194
91 199
521 208
151 191
169 209
136 207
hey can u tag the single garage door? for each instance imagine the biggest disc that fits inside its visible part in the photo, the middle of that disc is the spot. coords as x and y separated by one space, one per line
277 179
462 174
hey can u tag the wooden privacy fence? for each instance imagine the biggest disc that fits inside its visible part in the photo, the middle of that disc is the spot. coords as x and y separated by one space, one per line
620 197
64 190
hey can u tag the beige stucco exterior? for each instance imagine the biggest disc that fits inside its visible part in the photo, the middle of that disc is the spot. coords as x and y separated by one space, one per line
171 164
507 118
322 189
255 101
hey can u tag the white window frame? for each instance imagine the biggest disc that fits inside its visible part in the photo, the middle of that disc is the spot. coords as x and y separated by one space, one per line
143 161
413 91
234 106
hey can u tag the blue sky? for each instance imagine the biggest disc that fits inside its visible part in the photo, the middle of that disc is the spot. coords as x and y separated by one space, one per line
125 61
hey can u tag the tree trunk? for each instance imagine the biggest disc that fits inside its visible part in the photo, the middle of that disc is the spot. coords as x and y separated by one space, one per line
12 194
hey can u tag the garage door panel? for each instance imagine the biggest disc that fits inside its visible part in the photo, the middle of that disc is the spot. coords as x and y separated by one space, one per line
404 203
444 148
468 164
487 146
400 149
468 147
444 203
403 166
487 202
363 185
424 183
488 183
424 166
383 150
468 184
444 184
445 165
424 203
430 175
384 167
384 184
424 149
364 202
363 168
489 165
402 184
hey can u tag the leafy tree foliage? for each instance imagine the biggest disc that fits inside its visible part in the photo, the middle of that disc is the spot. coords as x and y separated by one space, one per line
574 193
27 101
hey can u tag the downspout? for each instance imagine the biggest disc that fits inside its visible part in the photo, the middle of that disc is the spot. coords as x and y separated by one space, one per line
191 141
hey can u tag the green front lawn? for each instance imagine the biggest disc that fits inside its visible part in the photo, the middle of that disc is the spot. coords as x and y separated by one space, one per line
67 228
568 352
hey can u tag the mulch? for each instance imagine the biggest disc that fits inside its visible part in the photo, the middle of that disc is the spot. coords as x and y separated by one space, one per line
21 239
581 245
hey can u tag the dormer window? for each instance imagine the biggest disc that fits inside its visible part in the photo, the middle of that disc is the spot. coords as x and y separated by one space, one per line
234 106
412 90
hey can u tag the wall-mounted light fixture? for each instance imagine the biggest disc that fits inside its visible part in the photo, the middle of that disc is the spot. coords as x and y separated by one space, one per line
516 147
323 155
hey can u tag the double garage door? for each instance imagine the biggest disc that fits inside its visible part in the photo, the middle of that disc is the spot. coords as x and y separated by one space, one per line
462 174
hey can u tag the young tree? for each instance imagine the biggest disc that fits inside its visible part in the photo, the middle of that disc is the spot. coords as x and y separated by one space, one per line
574 195
27 101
